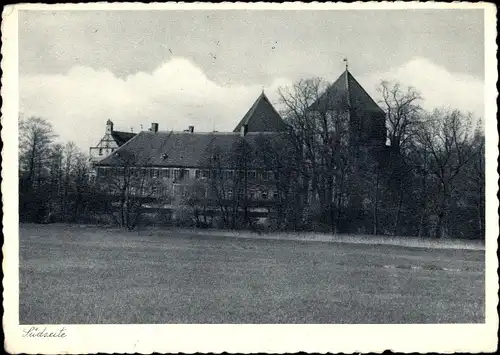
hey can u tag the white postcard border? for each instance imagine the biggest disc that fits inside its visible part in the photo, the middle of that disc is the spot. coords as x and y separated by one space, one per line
240 338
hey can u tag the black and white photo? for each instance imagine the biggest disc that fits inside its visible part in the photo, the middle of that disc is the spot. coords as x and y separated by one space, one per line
244 168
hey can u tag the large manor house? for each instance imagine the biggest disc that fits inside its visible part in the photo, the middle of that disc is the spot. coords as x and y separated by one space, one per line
180 159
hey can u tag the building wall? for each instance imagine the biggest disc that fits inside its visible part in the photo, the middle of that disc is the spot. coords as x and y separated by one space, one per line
106 146
176 182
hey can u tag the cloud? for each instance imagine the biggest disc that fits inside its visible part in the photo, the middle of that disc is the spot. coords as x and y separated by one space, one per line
438 86
178 94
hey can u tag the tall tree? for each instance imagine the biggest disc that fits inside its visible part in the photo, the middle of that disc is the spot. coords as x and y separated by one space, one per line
35 136
131 182
403 114
403 111
321 134
446 136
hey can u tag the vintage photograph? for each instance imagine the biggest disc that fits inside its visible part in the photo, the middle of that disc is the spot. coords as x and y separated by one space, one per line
251 166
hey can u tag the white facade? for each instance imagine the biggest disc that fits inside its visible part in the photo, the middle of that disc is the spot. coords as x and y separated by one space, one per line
106 145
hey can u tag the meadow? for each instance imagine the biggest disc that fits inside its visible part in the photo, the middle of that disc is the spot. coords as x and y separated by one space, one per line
93 275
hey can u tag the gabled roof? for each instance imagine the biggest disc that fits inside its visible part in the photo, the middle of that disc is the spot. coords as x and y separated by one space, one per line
345 92
122 137
262 117
182 149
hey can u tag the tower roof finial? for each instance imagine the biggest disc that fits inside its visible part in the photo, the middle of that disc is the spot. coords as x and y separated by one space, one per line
346 64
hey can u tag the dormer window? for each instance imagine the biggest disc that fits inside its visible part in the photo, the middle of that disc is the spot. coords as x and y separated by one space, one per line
165 156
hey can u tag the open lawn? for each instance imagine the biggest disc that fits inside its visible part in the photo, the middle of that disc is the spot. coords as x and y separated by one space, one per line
72 274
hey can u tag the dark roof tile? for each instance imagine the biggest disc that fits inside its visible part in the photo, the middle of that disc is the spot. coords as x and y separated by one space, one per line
183 149
262 117
344 91
122 137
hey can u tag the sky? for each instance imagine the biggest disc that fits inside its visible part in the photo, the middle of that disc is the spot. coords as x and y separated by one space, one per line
206 67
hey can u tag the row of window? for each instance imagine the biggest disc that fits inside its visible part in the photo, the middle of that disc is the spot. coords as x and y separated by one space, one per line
185 191
179 174
102 149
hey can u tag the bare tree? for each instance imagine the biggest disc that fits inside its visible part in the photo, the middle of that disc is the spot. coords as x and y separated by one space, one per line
320 125
35 137
35 153
403 112
478 179
130 180
446 135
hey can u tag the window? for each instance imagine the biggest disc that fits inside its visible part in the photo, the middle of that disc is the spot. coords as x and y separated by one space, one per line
205 174
251 195
270 175
264 195
156 173
230 194
275 195
242 175
100 151
197 174
177 174
180 190
166 173
251 175
154 190
228 174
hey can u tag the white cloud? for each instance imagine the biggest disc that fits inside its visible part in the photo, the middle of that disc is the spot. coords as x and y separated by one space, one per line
438 86
178 94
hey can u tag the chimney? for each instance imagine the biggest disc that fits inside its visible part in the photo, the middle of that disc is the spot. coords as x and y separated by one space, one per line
154 127
191 129
244 129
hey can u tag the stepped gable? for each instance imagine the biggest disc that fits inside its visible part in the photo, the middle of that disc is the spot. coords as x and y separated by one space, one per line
262 117
182 149
346 92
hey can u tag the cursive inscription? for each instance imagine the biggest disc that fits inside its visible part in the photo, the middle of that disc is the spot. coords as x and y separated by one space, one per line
35 332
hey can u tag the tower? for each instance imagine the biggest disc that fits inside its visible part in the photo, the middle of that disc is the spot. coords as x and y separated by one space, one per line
109 127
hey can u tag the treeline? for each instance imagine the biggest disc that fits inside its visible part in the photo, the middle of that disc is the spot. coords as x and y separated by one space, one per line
429 182
54 181
323 175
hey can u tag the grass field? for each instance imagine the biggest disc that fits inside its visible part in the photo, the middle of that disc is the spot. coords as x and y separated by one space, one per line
72 274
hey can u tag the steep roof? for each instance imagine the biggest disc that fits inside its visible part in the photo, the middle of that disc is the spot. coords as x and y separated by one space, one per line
345 92
122 137
182 149
262 117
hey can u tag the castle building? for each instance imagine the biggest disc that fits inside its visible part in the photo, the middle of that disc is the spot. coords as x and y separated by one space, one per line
366 119
179 158
111 141
240 162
